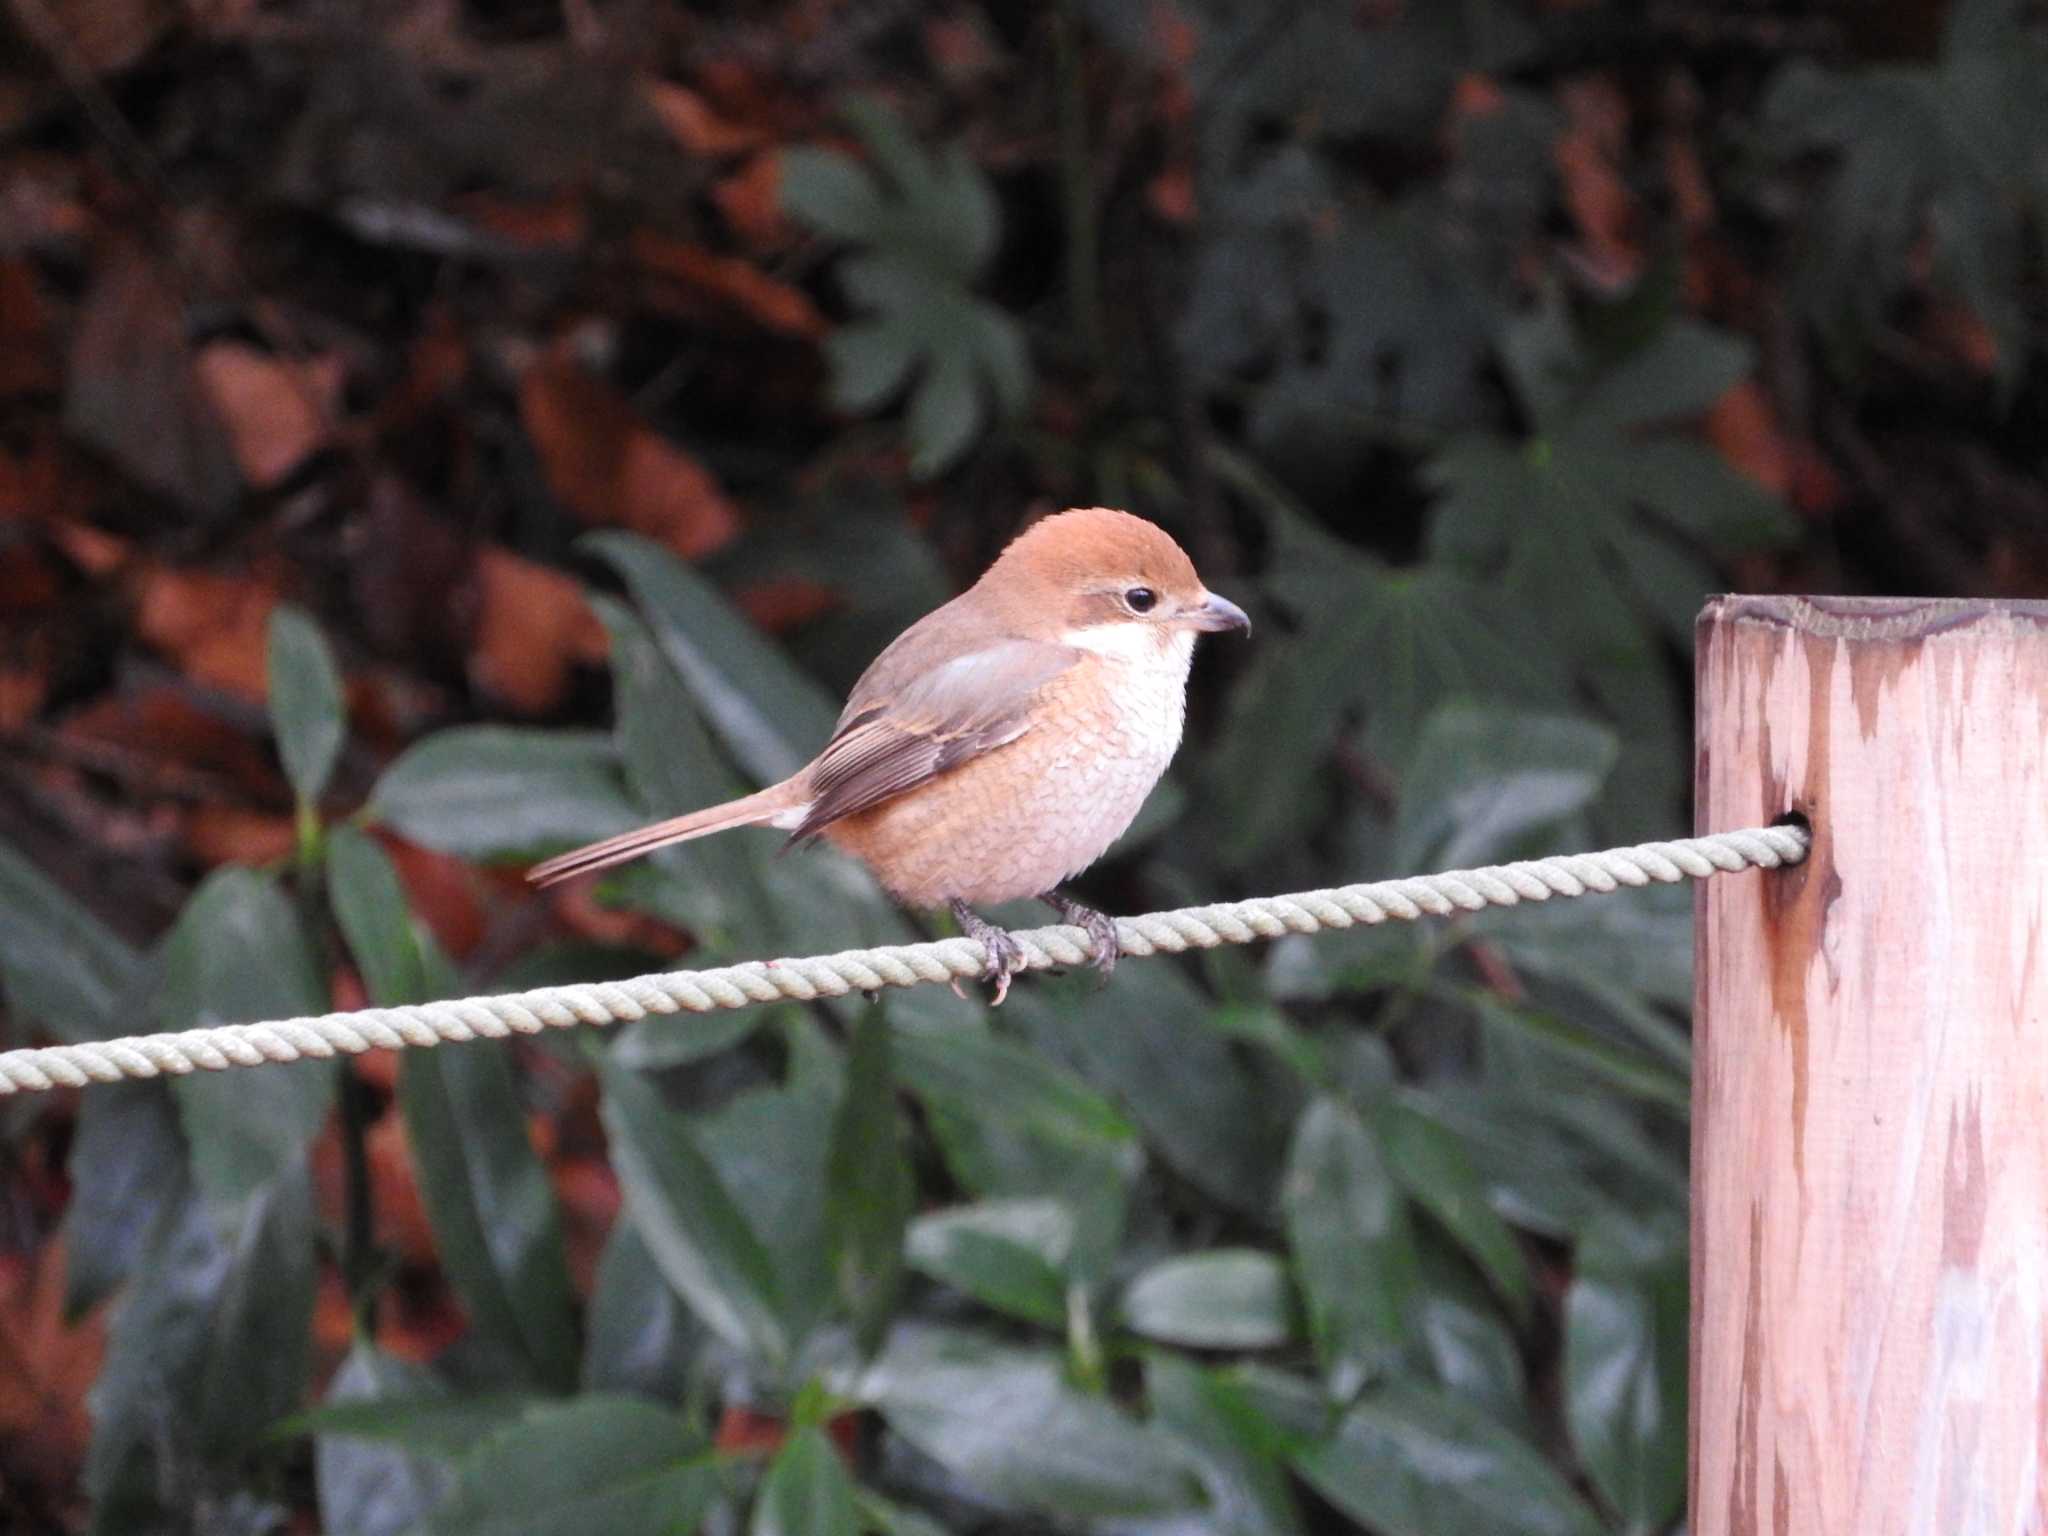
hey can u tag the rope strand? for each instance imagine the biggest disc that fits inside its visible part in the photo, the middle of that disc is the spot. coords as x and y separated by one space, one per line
223 1046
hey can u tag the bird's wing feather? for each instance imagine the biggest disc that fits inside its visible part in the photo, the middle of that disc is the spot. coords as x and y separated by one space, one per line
892 740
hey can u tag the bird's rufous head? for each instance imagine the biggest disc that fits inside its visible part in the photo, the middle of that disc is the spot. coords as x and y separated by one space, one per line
1092 568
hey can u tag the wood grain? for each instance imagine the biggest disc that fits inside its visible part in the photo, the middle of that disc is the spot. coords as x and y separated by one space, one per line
1870 1096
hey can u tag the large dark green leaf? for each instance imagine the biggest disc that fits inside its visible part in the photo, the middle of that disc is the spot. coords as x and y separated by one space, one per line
713 884
1211 1113
806 1491
211 1343
1429 1161
372 1489
1227 1298
240 954
870 1193
61 965
1005 1421
770 716
1484 777
926 226
1408 1460
490 1202
639 1338
306 710
259 1340
127 1167
1008 1254
369 906
1234 1451
490 791
698 1235
593 1464
1354 1251
1625 1366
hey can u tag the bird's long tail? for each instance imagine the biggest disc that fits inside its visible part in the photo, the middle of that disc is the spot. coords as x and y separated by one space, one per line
779 803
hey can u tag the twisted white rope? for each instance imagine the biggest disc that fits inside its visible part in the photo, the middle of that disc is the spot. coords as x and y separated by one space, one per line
896 965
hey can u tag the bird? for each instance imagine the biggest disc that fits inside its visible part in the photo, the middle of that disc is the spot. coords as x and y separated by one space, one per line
999 745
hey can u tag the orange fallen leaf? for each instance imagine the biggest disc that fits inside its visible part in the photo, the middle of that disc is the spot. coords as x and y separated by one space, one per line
610 468
277 411
1171 195
785 603
232 834
1959 333
534 627
1744 427
751 201
213 625
694 123
46 1365
729 283
161 726
442 890
1589 156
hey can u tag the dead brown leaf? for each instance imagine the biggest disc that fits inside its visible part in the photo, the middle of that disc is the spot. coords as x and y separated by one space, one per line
46 1365
751 201
27 361
211 623
1589 156
217 833
130 388
726 283
610 468
1743 426
277 411
534 627
695 124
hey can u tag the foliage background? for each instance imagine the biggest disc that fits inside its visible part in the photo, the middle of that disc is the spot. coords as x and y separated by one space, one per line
438 432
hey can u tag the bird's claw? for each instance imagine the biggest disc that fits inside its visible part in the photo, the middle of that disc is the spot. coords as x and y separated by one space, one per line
1103 944
1004 956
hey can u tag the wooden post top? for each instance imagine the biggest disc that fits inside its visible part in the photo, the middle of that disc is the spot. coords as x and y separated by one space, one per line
1870 618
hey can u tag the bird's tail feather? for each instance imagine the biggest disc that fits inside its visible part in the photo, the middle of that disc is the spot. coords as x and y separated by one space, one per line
776 801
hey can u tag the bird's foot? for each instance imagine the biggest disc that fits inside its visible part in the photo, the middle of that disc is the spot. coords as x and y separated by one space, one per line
1005 954
1099 926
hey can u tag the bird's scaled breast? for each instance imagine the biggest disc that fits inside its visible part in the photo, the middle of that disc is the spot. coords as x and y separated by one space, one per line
1023 818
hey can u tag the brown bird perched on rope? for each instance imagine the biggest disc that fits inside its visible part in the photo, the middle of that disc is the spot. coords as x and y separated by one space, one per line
1000 744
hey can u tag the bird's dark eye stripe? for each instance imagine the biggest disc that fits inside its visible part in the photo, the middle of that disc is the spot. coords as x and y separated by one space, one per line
1141 599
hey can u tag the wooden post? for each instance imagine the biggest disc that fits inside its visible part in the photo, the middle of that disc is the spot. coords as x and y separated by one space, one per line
1870 1091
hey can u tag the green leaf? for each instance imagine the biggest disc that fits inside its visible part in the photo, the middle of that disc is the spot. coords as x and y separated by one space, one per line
674 1040
926 227
806 1491
238 954
698 1236
61 966
1007 1254
306 709
713 885
1407 1460
1431 1164
1354 1252
366 1489
1484 779
491 791
369 907
490 1202
427 1419
638 1337
771 717
259 1339
771 1149
1227 1298
592 1464
1676 375
1234 1451
1002 1079
1212 1114
1005 1421
1625 1324
870 1194
127 1167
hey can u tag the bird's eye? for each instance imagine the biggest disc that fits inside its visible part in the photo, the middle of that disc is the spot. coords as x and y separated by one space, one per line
1141 599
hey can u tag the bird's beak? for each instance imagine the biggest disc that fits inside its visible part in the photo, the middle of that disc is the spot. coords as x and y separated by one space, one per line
1218 613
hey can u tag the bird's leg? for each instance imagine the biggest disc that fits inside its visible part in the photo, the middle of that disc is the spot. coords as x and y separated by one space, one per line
1099 926
1005 954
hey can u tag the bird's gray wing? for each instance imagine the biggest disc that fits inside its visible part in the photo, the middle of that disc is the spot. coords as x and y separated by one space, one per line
904 728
